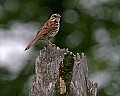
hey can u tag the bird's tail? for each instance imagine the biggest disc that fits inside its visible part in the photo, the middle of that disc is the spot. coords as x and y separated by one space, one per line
28 47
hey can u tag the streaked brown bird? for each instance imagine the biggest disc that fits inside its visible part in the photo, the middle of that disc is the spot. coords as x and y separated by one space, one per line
48 31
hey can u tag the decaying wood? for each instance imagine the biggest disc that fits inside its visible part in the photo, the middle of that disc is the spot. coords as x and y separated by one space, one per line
58 72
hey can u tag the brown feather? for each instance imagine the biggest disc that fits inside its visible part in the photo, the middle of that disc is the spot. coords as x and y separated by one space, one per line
36 39
45 29
50 29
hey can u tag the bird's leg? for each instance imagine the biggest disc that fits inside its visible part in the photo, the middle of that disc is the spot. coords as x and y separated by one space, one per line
50 42
45 43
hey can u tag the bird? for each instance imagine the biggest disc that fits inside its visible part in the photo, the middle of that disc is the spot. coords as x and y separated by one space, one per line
47 31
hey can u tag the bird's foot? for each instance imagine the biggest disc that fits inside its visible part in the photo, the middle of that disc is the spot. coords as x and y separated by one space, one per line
53 45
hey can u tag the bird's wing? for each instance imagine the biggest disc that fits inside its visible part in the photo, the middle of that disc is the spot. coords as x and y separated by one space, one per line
48 26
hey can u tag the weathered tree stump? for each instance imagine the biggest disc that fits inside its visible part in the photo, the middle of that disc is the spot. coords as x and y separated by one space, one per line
58 72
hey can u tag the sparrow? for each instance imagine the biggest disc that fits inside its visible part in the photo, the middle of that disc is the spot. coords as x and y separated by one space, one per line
48 31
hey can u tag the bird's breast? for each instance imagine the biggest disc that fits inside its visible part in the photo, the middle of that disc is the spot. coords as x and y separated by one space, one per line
53 32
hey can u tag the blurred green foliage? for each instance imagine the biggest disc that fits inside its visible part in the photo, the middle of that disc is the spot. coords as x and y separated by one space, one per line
88 26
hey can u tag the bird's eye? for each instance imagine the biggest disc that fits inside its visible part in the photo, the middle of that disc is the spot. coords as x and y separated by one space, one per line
55 16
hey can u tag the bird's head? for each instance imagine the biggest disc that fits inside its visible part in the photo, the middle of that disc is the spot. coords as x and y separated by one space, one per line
56 17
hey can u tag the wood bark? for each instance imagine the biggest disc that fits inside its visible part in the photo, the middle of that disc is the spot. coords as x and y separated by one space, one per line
58 72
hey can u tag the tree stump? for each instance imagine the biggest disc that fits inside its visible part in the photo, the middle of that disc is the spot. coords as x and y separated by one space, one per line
58 72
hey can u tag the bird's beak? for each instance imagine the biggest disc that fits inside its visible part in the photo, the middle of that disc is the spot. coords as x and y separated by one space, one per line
59 15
